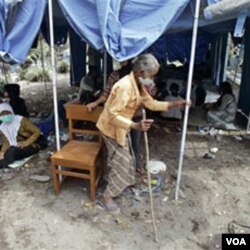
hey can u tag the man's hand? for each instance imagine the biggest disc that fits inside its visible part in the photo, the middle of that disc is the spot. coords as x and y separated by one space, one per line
91 106
143 125
22 144
188 103
182 103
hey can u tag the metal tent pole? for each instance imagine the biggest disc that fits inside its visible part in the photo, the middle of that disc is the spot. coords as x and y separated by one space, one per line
54 74
105 69
226 58
190 77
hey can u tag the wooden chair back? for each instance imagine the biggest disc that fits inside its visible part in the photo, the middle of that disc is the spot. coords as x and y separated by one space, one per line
79 112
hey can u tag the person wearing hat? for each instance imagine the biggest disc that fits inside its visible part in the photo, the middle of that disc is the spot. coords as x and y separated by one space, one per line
12 96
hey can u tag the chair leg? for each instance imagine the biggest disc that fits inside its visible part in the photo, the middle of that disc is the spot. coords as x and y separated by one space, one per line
55 178
92 184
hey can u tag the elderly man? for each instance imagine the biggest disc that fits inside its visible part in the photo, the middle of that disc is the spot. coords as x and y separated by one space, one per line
115 122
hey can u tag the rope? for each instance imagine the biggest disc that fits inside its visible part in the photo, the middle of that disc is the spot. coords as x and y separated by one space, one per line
149 179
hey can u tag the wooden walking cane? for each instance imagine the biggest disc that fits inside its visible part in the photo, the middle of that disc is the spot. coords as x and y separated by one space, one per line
149 178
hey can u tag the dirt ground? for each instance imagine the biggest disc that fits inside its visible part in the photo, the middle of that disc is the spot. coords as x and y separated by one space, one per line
214 196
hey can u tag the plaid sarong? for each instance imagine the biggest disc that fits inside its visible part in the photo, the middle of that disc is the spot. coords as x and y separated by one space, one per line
122 166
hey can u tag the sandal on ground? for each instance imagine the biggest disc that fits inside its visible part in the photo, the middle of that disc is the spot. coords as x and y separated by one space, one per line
110 206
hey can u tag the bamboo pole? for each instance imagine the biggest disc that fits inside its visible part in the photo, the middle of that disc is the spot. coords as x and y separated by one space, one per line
149 179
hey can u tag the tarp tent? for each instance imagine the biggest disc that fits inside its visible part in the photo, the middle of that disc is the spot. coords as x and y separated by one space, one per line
123 28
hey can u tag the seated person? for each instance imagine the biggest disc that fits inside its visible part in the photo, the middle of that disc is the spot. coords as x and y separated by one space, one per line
89 90
175 113
223 111
20 137
90 87
12 96
47 126
199 91
126 68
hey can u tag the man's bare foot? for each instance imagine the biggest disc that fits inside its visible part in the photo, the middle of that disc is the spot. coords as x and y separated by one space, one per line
109 204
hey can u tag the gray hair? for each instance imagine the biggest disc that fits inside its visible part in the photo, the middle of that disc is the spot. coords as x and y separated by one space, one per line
146 62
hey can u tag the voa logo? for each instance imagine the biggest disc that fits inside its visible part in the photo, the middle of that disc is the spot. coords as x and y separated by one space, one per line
236 241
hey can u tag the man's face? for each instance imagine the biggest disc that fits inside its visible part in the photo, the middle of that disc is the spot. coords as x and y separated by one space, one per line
147 77
149 74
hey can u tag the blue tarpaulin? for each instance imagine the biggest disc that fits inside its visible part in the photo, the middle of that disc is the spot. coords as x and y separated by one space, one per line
19 23
212 1
124 28
179 47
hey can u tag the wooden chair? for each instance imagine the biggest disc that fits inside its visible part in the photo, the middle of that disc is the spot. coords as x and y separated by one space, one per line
79 158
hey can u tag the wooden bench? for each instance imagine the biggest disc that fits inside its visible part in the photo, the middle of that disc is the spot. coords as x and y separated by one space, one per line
79 158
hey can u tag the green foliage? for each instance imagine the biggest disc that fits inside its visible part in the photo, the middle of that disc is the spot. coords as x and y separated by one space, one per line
2 81
34 74
63 67
26 64
34 55
22 74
